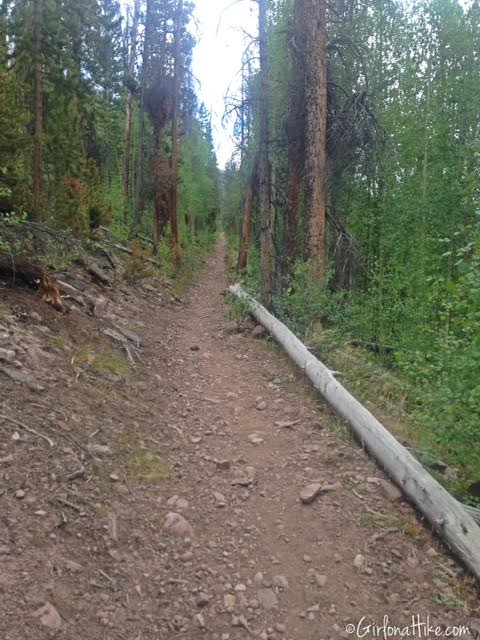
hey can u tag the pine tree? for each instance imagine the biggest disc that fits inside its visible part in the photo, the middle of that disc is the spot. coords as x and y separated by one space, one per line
295 135
131 89
315 60
264 169
38 110
177 84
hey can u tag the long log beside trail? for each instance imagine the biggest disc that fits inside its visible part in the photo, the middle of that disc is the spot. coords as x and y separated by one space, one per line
446 515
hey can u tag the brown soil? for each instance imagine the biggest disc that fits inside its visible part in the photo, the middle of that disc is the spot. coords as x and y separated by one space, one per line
179 429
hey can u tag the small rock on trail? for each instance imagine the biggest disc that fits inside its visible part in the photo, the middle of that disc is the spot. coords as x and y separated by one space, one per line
259 331
49 616
177 525
310 492
267 598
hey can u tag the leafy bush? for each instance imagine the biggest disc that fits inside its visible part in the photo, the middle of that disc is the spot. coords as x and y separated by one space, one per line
137 265
81 207
303 302
9 242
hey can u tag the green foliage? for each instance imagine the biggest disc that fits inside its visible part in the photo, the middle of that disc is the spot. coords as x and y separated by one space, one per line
87 77
80 207
403 203
198 191
303 302
10 219
446 362
137 266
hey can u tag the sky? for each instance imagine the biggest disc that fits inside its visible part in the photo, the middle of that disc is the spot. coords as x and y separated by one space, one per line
217 59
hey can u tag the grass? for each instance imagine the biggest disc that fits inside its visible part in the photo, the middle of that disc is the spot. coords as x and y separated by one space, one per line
340 430
183 279
147 466
141 465
350 480
391 399
87 358
109 364
62 341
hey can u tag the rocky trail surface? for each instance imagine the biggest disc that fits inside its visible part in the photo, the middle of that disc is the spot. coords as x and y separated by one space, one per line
204 492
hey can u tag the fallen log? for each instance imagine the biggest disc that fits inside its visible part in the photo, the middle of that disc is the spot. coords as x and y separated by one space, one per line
124 249
70 291
373 346
111 260
473 511
447 516
144 238
97 273
22 377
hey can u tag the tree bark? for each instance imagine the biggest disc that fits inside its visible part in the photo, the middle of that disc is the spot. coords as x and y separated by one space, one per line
161 189
3 36
129 108
264 190
314 12
139 178
38 111
295 177
447 516
175 123
296 141
247 223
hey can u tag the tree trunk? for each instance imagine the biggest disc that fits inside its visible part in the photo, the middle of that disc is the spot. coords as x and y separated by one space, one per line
161 189
3 36
264 191
247 223
242 115
447 516
139 179
296 141
138 197
129 108
175 123
314 12
293 213
38 111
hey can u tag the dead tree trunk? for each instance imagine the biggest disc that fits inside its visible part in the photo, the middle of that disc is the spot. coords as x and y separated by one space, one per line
247 222
264 191
294 186
161 188
175 123
129 108
158 101
296 140
314 16
38 111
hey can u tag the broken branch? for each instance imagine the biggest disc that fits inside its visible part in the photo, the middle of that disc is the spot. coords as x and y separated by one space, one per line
29 429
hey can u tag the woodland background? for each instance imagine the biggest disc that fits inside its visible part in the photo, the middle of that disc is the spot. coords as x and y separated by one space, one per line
353 195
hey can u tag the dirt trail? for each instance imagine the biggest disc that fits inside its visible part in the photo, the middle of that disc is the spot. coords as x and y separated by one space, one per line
226 435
